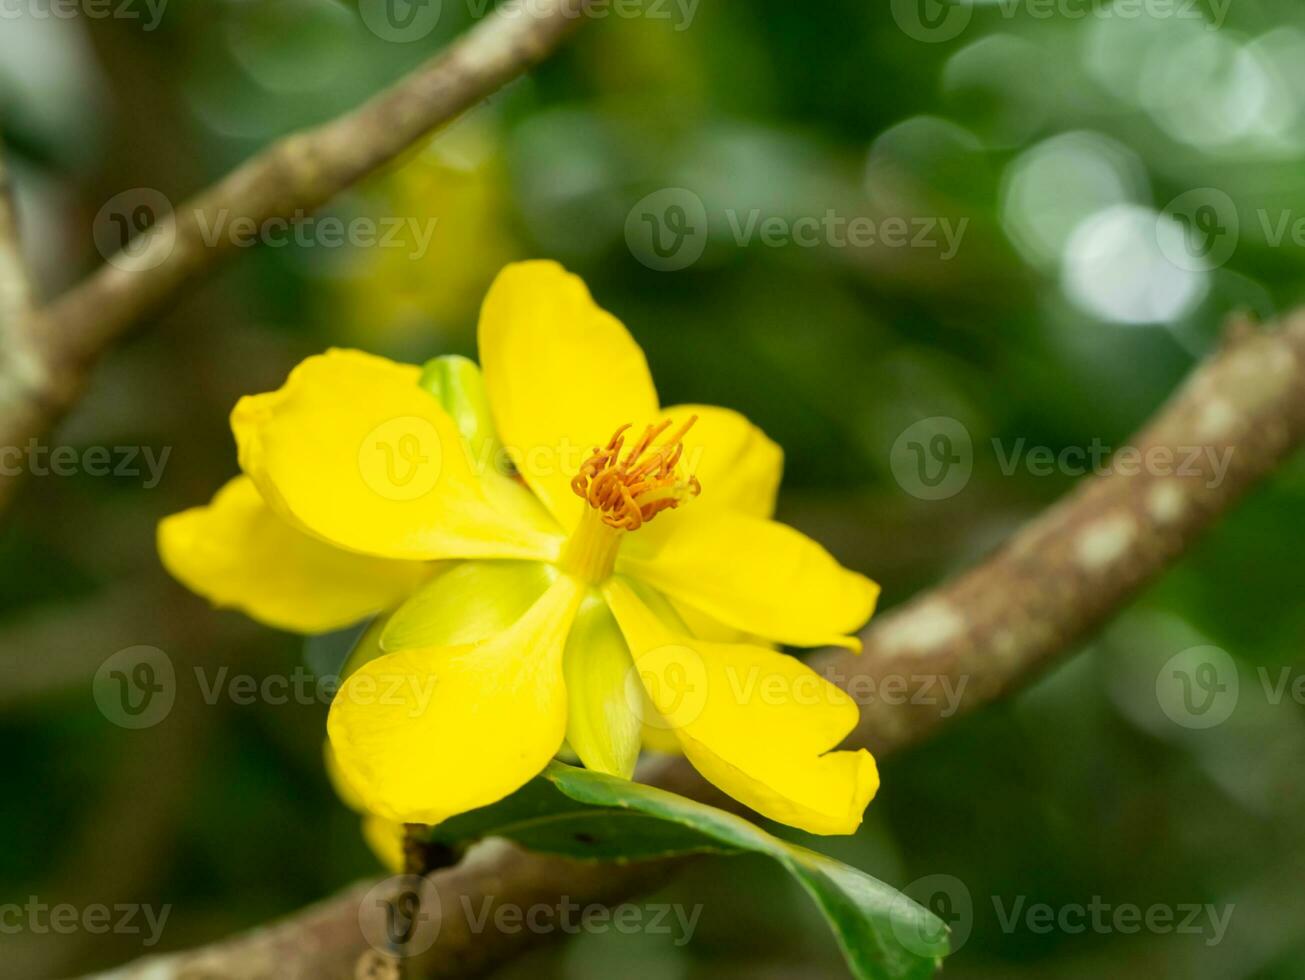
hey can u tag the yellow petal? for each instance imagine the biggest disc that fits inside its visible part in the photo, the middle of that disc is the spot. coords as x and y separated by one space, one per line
602 727
824 795
238 554
756 723
458 385
657 736
737 464
754 575
348 795
385 838
422 735
655 731
469 602
699 624
562 375
353 451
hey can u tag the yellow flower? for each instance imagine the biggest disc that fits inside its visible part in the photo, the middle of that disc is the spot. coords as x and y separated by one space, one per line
619 585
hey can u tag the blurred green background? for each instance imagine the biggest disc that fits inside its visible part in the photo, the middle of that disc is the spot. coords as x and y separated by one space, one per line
1084 148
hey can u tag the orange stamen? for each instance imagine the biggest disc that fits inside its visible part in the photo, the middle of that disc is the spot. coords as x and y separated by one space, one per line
629 491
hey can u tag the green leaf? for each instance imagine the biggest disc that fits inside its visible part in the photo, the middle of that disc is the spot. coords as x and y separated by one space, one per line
574 812
540 817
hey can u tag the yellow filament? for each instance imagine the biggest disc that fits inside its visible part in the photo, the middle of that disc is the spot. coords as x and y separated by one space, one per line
630 490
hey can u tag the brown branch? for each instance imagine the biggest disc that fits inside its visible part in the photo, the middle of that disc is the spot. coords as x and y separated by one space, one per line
1075 566
993 629
15 282
22 375
58 345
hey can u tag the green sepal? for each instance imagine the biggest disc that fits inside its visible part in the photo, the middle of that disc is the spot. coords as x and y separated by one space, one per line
468 602
457 383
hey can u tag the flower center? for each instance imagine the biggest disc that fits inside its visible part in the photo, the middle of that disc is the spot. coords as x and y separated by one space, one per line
624 490
629 490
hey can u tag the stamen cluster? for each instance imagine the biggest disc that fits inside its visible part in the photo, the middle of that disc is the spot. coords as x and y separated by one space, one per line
629 491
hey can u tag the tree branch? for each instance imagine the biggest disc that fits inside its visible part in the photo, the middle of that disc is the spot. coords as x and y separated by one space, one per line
994 627
62 342
15 283
1080 562
22 371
